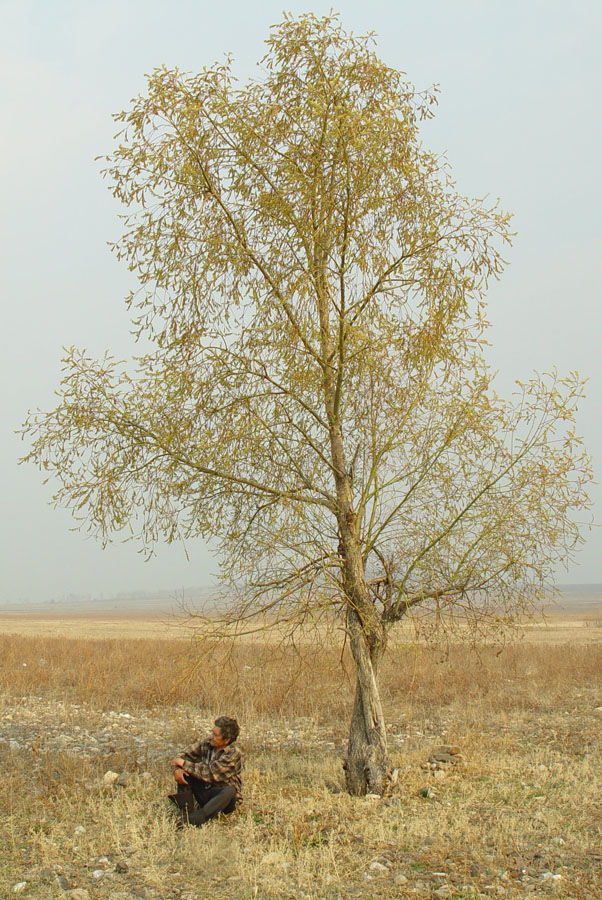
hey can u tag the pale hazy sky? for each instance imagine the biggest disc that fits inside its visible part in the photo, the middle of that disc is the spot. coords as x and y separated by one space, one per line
519 117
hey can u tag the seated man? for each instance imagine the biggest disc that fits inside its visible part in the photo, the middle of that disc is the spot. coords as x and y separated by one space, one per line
209 771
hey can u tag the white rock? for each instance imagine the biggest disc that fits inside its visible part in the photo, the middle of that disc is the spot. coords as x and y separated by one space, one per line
79 829
372 797
400 879
598 711
78 894
549 876
98 874
109 778
21 885
376 866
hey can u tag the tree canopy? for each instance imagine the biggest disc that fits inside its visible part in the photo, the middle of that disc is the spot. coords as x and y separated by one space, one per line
314 396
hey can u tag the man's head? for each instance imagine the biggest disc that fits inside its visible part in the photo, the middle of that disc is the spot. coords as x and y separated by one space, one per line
224 732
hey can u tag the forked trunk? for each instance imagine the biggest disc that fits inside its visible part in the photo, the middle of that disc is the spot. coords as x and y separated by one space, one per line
367 768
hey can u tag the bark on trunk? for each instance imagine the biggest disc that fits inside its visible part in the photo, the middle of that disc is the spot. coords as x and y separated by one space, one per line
367 764
367 768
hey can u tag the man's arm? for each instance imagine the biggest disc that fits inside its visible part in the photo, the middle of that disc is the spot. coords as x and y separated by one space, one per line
222 769
192 753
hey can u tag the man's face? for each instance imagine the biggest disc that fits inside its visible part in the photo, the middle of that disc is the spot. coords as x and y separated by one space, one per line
215 738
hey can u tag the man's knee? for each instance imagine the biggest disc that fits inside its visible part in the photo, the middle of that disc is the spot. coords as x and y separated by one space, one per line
228 792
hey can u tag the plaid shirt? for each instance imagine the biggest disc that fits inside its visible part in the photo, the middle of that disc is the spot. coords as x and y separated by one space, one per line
215 765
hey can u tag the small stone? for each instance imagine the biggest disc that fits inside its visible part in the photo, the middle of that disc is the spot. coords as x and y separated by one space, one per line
14 745
400 879
19 887
98 874
79 829
438 773
377 867
443 891
372 796
598 711
63 882
45 874
79 894
549 876
451 749
233 878
122 780
109 778
121 867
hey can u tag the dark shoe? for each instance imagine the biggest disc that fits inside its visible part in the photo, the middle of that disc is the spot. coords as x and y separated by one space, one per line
184 800
197 818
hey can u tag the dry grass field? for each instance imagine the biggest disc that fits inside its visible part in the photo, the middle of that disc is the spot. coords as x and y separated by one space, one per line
519 815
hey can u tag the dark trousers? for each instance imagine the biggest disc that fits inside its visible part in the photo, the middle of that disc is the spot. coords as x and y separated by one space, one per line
212 798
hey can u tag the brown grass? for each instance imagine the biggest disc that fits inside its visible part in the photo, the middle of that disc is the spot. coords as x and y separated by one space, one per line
261 680
522 809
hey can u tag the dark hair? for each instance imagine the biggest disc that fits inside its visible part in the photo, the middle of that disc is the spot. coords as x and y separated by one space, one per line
228 727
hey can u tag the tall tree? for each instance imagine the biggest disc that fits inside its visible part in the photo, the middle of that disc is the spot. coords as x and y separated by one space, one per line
315 398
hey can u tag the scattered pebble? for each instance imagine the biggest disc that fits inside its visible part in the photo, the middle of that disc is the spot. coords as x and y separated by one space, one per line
109 778
378 867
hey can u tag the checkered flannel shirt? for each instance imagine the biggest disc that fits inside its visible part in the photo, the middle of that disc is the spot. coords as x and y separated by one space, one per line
215 765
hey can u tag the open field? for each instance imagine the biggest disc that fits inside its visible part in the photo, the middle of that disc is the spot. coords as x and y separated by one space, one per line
519 815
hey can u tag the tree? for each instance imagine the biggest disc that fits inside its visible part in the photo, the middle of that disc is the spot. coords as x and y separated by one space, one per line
314 395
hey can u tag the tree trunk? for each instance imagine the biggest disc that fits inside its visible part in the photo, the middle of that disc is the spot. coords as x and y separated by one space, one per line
367 768
367 764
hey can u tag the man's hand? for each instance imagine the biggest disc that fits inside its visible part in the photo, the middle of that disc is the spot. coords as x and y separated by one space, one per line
180 776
